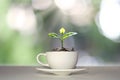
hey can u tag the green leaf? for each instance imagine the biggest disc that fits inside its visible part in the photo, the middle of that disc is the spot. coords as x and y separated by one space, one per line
68 35
53 35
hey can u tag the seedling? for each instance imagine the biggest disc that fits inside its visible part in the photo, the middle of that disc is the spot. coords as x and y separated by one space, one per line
62 35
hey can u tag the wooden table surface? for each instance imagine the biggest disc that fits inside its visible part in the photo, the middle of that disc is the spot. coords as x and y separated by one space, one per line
30 73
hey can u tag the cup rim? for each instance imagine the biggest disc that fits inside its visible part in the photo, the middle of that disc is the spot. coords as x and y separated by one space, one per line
61 51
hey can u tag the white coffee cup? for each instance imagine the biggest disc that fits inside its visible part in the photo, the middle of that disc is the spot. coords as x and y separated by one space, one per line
59 59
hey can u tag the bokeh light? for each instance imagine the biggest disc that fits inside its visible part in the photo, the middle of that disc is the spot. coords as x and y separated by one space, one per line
82 13
109 19
41 4
65 4
22 19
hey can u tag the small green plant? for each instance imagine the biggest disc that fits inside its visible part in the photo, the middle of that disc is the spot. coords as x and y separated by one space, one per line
62 35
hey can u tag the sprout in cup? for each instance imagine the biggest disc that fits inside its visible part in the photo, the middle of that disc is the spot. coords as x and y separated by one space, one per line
62 36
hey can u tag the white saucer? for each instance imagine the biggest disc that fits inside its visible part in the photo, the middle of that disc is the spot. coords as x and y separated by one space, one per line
61 71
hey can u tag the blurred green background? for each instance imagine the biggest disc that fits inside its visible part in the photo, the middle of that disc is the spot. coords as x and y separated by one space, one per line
24 25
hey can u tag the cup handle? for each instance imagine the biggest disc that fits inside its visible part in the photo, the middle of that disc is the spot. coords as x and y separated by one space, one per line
43 64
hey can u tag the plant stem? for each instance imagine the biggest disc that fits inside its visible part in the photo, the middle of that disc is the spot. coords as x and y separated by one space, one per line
61 44
62 41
